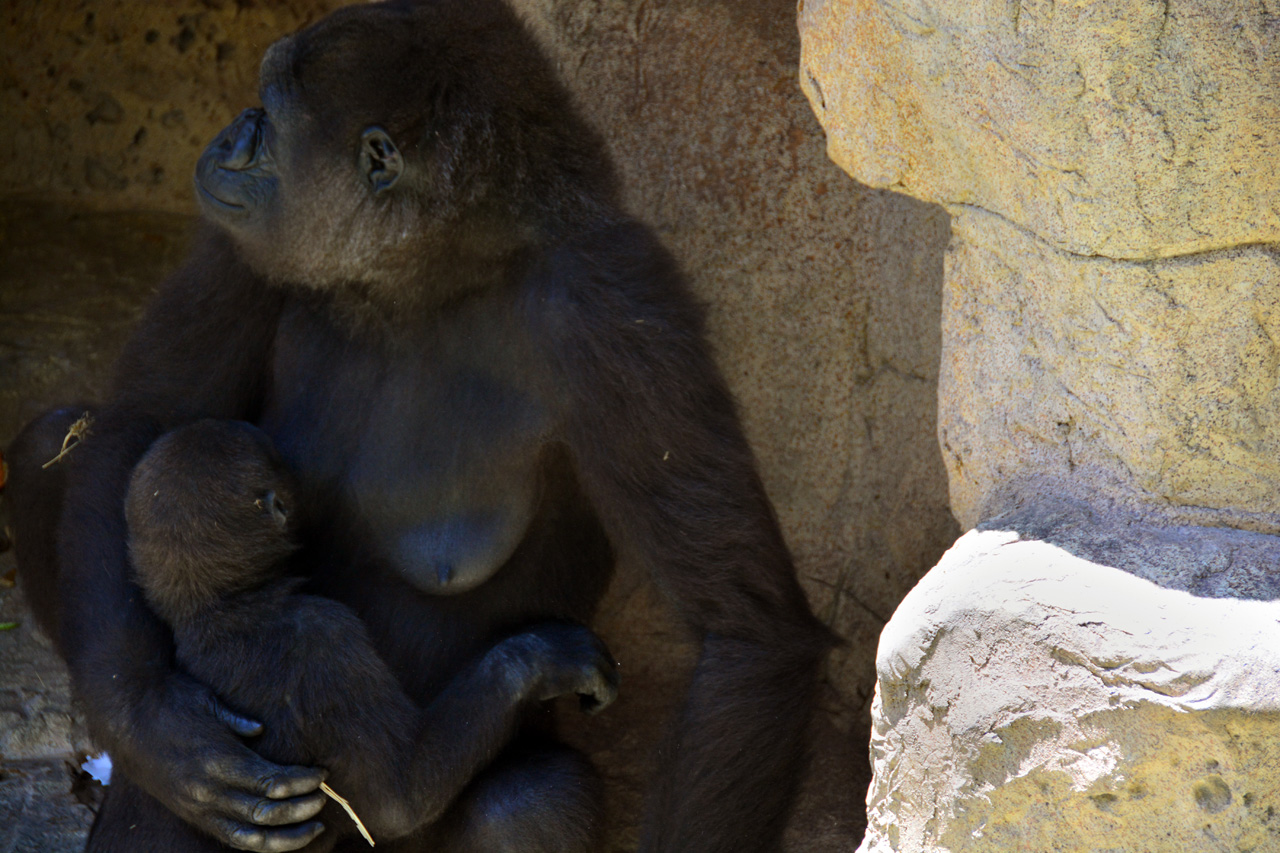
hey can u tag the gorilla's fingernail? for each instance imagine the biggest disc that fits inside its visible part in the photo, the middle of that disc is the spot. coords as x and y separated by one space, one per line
444 573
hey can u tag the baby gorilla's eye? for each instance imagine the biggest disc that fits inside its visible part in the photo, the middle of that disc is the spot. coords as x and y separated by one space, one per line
272 503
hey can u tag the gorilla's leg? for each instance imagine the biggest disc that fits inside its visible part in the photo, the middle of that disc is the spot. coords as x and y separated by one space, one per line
538 797
34 496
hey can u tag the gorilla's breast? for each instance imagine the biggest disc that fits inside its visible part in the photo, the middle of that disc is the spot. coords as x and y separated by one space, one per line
426 444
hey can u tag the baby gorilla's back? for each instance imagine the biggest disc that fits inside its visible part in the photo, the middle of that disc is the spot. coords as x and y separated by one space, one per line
305 667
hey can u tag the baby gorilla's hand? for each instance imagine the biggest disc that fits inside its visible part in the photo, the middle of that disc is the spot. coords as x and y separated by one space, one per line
560 658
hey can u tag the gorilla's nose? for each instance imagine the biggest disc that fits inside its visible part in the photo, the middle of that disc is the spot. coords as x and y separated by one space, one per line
238 149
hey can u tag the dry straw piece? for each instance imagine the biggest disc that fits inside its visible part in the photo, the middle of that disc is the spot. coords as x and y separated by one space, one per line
340 800
74 436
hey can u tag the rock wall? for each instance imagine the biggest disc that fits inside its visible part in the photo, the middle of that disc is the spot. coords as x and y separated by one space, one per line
107 103
1110 383
824 295
1109 170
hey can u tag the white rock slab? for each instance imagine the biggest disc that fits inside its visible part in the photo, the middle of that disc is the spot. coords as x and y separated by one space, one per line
1029 699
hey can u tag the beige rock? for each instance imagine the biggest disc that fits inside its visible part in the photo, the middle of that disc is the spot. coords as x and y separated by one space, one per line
1109 384
1131 129
1111 315
1156 383
1030 699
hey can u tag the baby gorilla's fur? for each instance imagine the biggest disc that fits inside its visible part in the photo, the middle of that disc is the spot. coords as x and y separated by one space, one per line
210 511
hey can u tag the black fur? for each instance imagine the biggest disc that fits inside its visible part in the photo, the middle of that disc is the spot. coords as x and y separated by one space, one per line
209 510
484 378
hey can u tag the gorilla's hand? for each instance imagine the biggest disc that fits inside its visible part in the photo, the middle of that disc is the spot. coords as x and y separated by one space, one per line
185 752
560 658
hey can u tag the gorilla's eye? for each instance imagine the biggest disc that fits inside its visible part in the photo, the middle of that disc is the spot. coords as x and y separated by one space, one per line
380 160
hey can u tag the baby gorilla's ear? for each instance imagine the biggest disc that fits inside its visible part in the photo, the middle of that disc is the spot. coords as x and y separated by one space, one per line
380 160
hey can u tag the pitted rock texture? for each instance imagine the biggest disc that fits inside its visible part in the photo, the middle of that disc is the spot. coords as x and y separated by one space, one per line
1030 699
109 102
1131 129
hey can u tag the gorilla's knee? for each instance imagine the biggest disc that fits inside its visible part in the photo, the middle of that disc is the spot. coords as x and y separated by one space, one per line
546 801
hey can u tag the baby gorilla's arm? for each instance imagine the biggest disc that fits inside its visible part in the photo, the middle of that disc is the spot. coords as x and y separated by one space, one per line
476 716
400 767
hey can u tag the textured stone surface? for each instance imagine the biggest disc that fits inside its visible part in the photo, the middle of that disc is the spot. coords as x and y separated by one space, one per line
1156 383
1109 384
1066 705
1132 129
1111 315
108 102
42 740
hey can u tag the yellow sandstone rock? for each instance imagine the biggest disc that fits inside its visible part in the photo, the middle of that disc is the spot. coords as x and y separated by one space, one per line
1131 129
1094 668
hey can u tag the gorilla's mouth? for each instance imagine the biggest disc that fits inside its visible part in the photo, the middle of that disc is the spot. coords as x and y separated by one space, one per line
235 173
228 205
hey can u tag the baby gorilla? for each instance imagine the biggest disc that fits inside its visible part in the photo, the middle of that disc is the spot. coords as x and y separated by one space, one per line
210 516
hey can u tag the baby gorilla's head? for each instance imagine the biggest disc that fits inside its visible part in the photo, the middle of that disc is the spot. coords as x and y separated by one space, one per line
209 509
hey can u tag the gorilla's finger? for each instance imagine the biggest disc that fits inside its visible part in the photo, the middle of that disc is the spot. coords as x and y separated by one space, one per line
264 811
243 837
601 693
600 699
286 782
238 723
250 773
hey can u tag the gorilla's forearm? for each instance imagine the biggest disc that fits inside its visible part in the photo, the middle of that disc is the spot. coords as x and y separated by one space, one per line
662 454
168 733
165 731
112 642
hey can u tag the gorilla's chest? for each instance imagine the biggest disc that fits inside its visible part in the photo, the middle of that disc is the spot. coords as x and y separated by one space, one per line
426 440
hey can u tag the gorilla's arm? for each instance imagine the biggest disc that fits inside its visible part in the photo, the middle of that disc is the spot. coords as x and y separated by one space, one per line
405 766
660 451
200 351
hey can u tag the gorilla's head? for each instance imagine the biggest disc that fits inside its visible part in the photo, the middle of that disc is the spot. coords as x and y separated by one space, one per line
210 510
398 144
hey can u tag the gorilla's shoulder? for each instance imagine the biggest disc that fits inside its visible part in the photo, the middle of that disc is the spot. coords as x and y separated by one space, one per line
612 278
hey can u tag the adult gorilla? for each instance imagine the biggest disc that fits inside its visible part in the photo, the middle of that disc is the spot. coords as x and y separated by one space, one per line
485 378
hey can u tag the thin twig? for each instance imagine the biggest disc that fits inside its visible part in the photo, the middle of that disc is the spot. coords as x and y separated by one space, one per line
333 795
76 434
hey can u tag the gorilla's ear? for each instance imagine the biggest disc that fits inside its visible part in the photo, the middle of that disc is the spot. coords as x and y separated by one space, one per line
380 160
